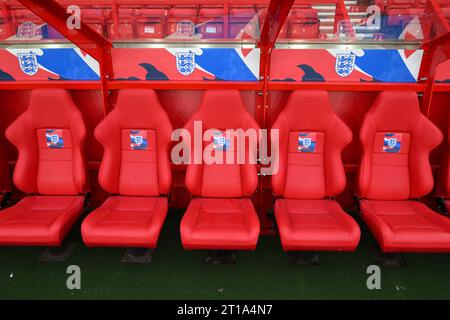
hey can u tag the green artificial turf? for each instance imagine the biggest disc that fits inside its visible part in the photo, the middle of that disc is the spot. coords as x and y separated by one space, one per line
178 274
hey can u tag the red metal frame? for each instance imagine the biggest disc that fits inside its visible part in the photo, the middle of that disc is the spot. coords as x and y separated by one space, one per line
86 38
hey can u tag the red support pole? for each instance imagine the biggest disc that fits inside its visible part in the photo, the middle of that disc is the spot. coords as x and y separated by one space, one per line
86 38
277 14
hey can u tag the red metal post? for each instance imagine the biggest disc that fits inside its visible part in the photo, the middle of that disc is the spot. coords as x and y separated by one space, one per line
436 50
276 16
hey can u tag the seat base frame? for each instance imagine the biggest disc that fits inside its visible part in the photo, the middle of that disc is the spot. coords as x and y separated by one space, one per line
137 255
305 258
220 257
58 254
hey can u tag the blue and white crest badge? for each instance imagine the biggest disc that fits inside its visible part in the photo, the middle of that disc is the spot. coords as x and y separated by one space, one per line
307 142
28 63
345 64
185 62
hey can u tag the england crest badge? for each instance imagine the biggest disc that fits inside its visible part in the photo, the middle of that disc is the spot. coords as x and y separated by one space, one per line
392 142
185 62
345 64
220 142
138 140
307 142
54 138
28 63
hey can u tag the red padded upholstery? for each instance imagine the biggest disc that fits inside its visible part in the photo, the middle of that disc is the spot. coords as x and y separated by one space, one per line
306 220
39 220
126 222
150 23
303 23
221 218
138 172
402 226
315 225
220 224
41 169
407 173
396 141
49 137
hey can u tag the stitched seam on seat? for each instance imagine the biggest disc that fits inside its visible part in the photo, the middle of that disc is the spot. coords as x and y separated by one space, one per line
426 218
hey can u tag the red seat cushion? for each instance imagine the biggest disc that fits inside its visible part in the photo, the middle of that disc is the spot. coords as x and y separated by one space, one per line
150 23
396 142
222 224
315 225
401 226
135 137
39 220
221 110
126 222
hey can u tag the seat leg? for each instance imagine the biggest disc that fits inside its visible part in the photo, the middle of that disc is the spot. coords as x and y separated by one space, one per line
303 258
58 254
388 259
220 257
441 206
137 255
6 199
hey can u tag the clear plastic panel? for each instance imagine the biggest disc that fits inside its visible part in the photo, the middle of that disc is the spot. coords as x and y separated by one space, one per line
145 20
365 21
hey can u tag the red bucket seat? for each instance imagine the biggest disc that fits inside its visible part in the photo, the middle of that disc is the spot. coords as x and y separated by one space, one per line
135 170
49 136
310 173
395 171
221 216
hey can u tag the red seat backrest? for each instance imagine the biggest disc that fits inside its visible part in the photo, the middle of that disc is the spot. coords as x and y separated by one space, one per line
49 136
311 139
396 142
135 136
222 110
